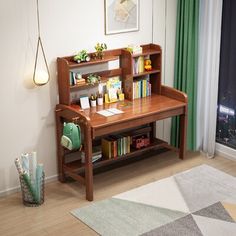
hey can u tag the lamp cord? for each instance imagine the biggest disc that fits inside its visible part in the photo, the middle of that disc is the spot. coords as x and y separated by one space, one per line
37 2
39 44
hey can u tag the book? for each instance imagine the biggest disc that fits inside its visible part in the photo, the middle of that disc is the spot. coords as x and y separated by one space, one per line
94 158
80 81
135 65
141 64
106 148
113 86
113 142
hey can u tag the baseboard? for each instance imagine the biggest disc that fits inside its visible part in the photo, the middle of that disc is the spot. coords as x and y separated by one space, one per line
225 151
9 191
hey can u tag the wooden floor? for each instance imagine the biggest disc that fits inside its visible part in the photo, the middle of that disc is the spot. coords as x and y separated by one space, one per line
54 218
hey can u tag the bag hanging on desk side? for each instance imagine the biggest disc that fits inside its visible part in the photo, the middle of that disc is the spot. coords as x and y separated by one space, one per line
71 138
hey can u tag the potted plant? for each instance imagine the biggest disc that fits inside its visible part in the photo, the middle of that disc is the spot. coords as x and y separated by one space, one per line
99 50
93 79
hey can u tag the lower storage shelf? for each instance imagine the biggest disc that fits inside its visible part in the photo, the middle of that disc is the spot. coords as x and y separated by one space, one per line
76 165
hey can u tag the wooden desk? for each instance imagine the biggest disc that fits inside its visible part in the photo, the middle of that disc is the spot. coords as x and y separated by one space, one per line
137 112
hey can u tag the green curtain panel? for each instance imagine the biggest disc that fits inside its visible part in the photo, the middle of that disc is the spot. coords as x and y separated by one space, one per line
186 58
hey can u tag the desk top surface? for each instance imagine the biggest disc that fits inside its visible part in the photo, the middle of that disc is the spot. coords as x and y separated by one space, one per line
136 109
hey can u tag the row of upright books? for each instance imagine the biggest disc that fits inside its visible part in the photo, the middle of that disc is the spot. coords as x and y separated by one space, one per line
141 88
115 146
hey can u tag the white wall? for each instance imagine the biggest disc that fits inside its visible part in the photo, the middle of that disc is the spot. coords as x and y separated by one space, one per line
27 114
164 15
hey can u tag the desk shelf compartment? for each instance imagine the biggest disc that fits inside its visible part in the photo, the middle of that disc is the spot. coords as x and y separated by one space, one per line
66 65
150 51
75 166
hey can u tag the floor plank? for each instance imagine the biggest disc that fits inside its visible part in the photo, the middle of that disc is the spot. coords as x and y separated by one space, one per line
54 218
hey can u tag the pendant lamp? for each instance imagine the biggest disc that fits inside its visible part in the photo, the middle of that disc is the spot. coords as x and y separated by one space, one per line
40 76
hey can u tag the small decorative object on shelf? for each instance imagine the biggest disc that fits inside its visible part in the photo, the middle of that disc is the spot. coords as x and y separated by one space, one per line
147 64
99 50
100 99
93 101
135 49
140 142
82 56
93 78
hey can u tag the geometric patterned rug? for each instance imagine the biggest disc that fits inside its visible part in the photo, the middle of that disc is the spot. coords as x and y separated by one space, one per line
199 201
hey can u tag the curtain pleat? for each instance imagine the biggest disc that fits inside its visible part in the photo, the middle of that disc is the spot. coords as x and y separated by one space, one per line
186 64
208 74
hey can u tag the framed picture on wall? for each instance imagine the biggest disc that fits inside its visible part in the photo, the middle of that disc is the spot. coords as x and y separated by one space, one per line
121 16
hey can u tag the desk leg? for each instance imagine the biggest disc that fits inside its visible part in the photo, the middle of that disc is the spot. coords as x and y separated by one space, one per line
60 150
88 165
153 132
183 135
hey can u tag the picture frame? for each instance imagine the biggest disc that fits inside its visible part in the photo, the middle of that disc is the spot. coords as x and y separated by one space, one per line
121 16
84 102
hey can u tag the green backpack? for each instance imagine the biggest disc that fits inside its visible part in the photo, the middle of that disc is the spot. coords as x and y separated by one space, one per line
71 138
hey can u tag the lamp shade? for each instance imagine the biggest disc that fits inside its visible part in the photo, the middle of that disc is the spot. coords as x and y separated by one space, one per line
41 77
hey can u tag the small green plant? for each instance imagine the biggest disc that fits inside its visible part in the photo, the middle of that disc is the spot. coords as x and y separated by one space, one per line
99 50
93 78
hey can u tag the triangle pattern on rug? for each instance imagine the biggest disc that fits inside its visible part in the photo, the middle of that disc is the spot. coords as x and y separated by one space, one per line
183 226
213 227
163 193
120 217
204 185
216 211
231 209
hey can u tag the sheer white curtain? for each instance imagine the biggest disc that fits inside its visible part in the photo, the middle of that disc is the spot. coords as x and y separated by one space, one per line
208 73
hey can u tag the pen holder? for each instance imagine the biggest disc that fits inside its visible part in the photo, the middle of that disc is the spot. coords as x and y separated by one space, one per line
93 103
28 192
100 101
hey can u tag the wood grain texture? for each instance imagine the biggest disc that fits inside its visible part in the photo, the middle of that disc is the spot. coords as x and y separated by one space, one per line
137 109
53 217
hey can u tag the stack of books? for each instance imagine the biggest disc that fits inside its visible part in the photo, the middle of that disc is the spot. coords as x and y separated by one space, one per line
80 81
97 154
